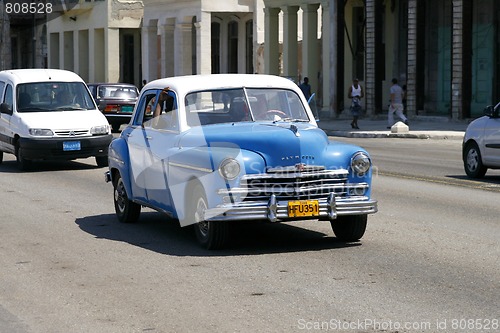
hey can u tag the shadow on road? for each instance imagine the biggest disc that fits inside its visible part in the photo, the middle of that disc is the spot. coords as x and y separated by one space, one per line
42 166
157 233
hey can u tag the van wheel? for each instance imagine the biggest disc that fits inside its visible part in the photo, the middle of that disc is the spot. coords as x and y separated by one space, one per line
22 163
101 161
115 128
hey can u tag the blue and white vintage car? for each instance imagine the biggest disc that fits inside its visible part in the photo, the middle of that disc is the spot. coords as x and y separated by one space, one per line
213 149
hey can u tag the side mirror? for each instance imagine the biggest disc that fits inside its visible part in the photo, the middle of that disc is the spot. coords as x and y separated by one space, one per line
102 105
6 108
490 111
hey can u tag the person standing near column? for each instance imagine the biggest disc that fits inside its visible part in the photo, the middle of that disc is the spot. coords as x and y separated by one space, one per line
396 106
355 93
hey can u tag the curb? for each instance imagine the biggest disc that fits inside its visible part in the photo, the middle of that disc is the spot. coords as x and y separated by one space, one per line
439 135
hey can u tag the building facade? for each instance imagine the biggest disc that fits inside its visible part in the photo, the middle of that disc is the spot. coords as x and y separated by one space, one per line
98 39
444 51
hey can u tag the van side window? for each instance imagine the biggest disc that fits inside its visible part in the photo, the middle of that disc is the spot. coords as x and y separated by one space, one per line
8 98
2 85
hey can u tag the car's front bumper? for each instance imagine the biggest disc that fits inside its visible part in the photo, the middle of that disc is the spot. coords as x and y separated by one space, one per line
274 210
52 148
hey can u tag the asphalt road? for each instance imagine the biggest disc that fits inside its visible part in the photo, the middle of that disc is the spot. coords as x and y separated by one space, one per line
428 261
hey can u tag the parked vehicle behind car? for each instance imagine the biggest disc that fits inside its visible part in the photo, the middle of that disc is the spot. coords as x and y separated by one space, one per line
481 144
209 150
116 101
49 114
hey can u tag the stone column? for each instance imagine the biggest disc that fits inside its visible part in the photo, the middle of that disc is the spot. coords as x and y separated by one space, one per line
149 53
113 55
310 44
333 48
325 40
457 58
370 71
167 49
183 54
271 41
290 42
411 80
204 45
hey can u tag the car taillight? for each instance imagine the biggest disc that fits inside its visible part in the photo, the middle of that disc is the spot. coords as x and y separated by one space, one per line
112 108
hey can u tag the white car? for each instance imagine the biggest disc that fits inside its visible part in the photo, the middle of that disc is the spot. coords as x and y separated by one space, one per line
481 145
50 114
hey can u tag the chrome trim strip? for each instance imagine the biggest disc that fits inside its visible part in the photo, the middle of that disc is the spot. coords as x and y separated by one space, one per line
191 167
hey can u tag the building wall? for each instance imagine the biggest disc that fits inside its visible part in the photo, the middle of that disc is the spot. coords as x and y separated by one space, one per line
88 39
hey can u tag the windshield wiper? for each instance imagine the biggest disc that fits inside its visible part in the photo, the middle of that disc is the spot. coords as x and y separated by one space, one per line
292 120
70 108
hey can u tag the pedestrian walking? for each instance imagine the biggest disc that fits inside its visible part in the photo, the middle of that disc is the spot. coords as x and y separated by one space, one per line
306 88
396 106
355 93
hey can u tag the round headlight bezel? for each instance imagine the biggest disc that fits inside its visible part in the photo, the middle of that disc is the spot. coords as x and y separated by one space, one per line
360 163
229 169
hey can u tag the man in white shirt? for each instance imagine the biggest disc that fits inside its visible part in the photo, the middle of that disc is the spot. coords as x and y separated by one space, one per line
396 106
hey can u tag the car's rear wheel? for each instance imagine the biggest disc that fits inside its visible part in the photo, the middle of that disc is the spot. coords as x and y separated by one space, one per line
349 228
126 210
101 161
473 163
210 234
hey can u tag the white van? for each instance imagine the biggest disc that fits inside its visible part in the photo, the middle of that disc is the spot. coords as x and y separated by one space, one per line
49 114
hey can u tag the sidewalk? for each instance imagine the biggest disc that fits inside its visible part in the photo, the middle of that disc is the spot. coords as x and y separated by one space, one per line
421 127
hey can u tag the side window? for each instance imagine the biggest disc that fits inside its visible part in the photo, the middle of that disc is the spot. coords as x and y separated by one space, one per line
8 98
145 107
2 86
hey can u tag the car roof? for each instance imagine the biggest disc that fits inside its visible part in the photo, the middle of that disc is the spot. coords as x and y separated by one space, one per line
188 83
39 75
110 84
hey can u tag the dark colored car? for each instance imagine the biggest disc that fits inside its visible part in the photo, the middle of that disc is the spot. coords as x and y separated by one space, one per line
116 101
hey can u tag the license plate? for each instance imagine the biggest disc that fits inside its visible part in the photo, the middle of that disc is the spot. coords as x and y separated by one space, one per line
71 145
303 208
127 108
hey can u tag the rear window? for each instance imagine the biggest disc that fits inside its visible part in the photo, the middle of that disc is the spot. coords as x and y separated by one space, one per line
114 91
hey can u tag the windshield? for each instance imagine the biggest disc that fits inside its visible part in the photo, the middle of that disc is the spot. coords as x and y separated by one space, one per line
244 104
53 96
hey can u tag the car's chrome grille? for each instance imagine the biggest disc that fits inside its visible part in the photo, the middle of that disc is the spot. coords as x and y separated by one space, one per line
294 185
72 133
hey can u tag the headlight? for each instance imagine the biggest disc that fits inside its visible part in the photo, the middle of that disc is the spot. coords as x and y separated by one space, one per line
360 163
229 168
99 130
41 132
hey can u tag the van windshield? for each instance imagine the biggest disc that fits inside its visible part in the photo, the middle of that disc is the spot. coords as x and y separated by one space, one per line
53 96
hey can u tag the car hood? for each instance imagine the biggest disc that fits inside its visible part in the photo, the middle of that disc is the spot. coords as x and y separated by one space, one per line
61 120
280 144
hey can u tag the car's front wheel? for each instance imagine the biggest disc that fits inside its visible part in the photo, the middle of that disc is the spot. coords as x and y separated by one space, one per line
349 228
126 210
473 163
210 234
22 163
